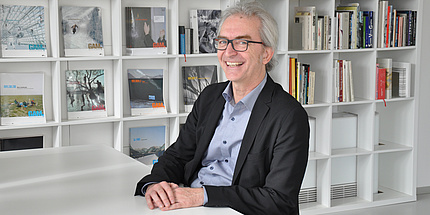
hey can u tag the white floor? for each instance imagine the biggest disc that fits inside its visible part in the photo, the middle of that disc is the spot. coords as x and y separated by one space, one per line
420 207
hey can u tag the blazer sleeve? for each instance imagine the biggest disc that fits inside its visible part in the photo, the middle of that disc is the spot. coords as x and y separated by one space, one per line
278 192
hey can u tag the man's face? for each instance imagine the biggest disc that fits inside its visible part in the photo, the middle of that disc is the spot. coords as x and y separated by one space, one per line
248 67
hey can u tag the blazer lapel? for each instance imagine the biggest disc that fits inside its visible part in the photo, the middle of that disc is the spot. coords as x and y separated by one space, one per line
257 116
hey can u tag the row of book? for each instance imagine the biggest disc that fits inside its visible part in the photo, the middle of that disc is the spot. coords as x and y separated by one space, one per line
392 79
312 32
22 94
343 87
302 82
396 28
353 27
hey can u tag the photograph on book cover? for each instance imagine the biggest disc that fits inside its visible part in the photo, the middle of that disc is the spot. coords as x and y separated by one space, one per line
146 91
22 98
85 93
147 143
208 21
195 79
22 31
82 31
146 32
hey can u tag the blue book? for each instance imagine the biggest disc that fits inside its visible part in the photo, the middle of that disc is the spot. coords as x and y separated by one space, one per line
181 39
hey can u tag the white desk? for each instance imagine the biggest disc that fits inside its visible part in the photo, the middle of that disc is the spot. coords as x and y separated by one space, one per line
91 179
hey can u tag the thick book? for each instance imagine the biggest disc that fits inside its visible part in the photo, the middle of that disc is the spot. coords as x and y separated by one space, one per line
82 31
147 144
205 25
146 91
146 32
404 71
195 79
22 98
85 93
182 41
387 63
308 18
380 82
22 31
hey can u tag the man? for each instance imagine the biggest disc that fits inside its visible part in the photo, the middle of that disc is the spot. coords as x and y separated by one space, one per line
245 143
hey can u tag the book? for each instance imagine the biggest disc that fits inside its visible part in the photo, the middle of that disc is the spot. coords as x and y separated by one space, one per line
205 25
146 32
22 98
146 91
292 78
82 31
368 29
387 63
147 144
380 82
353 23
22 31
85 94
182 46
195 79
404 71
21 143
308 18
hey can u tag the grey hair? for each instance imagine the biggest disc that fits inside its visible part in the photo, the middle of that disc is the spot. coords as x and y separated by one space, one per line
268 30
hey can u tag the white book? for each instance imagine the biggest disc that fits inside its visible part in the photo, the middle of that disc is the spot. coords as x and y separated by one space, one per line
404 70
82 31
194 24
85 94
22 98
22 31
351 82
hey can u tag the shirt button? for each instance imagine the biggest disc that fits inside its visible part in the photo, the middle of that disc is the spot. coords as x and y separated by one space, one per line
226 160
202 182
224 142
211 168
232 119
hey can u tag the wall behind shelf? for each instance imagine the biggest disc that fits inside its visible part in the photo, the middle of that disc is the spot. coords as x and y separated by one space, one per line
423 147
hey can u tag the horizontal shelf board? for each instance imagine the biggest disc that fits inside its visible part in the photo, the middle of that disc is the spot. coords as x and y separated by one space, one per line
358 100
305 207
349 152
395 100
296 52
318 104
90 121
348 201
150 116
89 58
391 147
388 194
198 55
134 57
397 48
26 126
317 156
353 50
27 59
183 114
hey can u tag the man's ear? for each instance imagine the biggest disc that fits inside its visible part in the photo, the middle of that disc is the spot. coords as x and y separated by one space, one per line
268 54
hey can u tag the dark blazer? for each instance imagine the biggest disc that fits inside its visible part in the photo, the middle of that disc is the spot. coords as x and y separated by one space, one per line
272 158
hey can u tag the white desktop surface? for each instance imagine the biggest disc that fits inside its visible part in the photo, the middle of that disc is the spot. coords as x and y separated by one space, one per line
92 179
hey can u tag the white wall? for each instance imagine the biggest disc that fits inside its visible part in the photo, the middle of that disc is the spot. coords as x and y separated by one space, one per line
423 159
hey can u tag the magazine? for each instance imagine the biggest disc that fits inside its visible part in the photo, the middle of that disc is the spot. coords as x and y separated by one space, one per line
147 144
195 79
22 31
85 91
82 31
146 91
22 98
146 32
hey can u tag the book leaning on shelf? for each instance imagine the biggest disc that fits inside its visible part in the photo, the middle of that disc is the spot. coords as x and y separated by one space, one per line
146 32
85 94
22 98
146 91
343 81
22 31
302 82
82 31
147 144
204 24
195 79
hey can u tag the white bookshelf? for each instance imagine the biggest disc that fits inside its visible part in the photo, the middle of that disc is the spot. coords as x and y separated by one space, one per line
388 167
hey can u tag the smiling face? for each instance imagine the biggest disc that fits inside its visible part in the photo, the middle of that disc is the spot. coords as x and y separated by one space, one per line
245 69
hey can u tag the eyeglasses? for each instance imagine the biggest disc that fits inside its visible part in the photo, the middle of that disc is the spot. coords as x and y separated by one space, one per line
239 45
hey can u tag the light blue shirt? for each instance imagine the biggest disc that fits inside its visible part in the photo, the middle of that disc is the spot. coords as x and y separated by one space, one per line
220 158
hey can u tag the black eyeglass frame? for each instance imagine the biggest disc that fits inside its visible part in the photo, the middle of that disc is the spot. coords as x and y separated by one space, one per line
231 42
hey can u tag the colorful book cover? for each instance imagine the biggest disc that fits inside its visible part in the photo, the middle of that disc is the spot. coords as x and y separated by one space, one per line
195 79
146 91
85 91
82 31
147 144
146 32
22 98
22 31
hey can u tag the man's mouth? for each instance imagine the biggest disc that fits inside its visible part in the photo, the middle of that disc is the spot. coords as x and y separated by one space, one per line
233 64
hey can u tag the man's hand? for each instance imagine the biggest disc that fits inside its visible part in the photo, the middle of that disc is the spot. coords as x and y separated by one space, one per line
187 198
160 195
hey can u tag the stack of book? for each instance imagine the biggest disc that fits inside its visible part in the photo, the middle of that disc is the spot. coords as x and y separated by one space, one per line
392 79
302 82
343 81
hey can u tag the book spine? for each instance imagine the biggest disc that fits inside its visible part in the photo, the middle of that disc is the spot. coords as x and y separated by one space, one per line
182 40
195 27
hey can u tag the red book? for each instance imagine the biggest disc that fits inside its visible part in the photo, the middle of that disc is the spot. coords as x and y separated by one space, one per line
380 86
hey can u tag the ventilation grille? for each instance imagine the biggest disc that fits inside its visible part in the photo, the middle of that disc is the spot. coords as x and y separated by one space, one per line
343 191
308 195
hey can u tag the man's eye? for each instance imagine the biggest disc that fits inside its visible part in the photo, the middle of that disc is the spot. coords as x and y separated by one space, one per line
241 42
223 42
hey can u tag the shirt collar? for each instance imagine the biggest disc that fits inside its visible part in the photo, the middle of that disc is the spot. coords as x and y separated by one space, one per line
248 100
